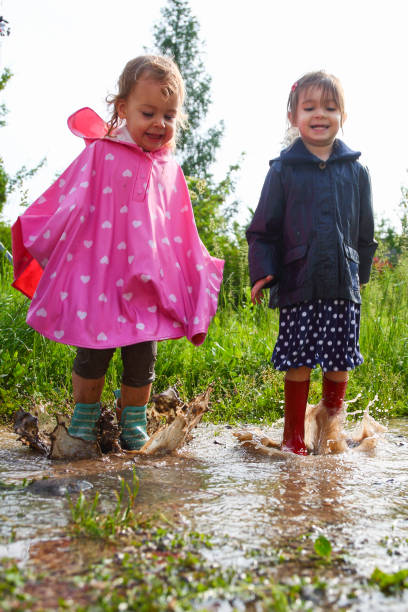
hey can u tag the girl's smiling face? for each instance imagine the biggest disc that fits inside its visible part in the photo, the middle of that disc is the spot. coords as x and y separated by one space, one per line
318 120
150 114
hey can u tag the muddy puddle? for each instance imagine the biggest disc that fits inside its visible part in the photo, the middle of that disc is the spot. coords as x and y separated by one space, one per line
359 501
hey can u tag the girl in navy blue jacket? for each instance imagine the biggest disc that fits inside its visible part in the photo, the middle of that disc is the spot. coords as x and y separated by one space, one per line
311 242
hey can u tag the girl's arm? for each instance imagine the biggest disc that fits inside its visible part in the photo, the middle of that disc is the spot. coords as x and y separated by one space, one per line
257 289
366 242
264 234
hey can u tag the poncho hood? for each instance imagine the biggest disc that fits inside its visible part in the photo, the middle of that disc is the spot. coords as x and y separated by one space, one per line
87 124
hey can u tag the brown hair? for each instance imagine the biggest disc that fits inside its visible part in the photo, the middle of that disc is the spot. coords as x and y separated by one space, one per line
328 83
160 68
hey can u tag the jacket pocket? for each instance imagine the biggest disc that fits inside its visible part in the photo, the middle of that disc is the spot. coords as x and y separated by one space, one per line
294 268
351 253
352 261
295 253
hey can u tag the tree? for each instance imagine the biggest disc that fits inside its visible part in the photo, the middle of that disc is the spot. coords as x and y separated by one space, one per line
177 35
393 243
3 111
222 235
8 183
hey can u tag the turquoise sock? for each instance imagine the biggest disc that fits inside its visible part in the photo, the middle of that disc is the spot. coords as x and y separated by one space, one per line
83 422
133 423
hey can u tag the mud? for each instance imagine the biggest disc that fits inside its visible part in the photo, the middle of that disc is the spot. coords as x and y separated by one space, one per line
170 422
324 434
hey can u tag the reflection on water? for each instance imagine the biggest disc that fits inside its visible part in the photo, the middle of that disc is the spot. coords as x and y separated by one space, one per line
357 501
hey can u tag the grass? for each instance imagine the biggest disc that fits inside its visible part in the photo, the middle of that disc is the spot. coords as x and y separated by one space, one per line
390 584
87 521
235 357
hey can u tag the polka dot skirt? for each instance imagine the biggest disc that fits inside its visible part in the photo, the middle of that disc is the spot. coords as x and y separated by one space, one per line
324 332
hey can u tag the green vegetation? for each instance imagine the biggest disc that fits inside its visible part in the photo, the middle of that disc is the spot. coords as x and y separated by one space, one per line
235 357
87 521
12 587
390 583
9 183
4 77
323 548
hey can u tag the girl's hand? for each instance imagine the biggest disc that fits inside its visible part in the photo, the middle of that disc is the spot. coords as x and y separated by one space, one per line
257 289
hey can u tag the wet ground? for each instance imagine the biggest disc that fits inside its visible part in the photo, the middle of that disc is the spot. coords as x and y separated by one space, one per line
358 501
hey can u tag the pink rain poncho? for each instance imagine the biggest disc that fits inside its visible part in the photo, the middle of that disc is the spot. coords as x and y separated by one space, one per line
110 252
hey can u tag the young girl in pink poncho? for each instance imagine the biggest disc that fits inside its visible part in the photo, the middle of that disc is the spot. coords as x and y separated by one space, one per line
110 253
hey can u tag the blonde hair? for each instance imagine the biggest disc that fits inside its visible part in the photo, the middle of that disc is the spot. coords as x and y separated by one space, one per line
158 67
331 89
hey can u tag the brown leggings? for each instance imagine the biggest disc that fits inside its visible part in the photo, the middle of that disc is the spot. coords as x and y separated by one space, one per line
138 363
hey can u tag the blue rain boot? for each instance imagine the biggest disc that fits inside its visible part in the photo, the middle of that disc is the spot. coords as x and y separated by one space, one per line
84 420
133 423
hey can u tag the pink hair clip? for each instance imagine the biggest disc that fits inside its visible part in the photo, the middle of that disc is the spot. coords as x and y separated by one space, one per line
294 86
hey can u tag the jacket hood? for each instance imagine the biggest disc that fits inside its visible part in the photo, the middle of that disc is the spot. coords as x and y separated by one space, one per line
297 153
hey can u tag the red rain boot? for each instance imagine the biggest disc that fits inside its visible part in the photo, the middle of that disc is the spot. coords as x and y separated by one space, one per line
333 395
296 393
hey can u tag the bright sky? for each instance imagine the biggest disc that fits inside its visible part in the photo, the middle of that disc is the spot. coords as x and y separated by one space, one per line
65 55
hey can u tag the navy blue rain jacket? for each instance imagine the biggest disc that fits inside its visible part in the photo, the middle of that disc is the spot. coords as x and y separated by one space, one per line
313 229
